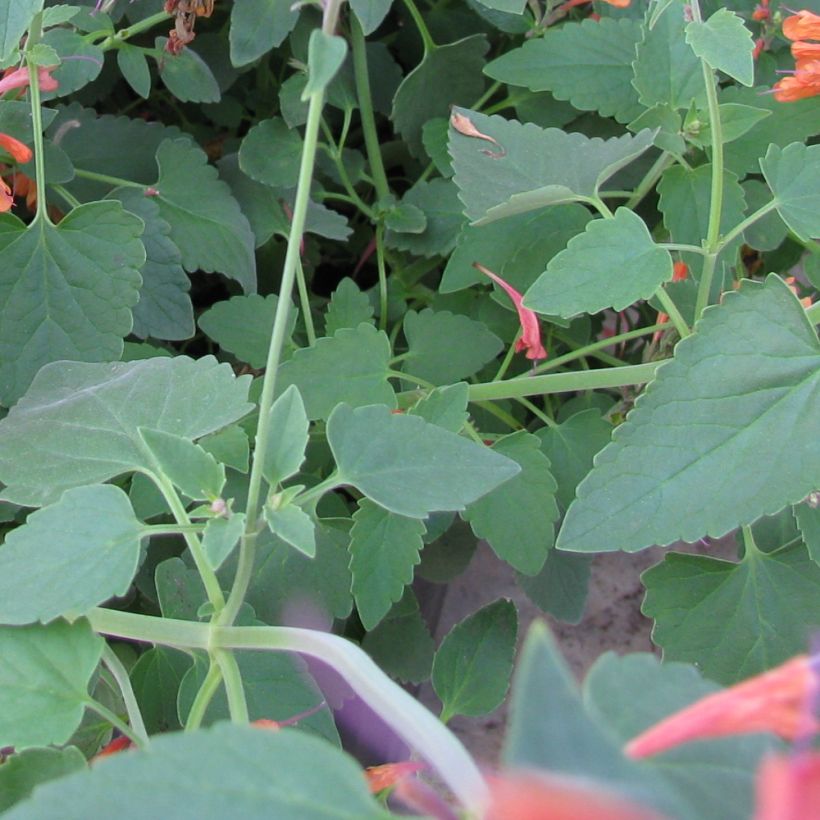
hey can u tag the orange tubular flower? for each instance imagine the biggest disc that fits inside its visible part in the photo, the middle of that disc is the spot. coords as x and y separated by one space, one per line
19 78
16 149
804 25
805 51
774 701
530 329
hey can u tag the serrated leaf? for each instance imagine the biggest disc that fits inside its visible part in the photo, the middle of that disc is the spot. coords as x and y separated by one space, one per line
445 406
517 519
44 681
326 53
725 43
80 61
517 247
270 153
560 587
666 69
408 466
538 166
384 549
14 23
587 63
62 13
77 553
370 13
348 307
793 174
405 218
744 380
733 620
206 223
581 279
351 366
256 773
294 526
194 470
288 438
186 75
164 310
446 347
472 667
257 26
221 535
439 203
78 422
422 95
41 54
22 772
66 291
243 326
133 66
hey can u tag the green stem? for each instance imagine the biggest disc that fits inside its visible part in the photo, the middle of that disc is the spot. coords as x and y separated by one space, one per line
502 415
606 358
564 382
344 177
116 182
478 104
171 529
72 200
397 374
537 412
106 714
34 36
649 181
120 674
383 304
368 119
673 246
505 364
727 238
150 629
115 40
426 39
232 678
204 696
749 543
599 206
671 309
304 300
180 514
318 490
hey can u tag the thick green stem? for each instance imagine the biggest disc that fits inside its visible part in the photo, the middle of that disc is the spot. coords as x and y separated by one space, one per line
672 311
232 678
120 674
204 696
314 493
368 120
34 35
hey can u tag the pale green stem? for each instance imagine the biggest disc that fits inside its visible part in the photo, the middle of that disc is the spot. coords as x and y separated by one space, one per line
116 182
397 374
72 200
115 40
204 696
383 304
749 542
426 39
502 415
649 181
304 300
232 678
674 246
106 714
505 365
671 309
537 412
599 206
120 674
728 237
318 490
34 35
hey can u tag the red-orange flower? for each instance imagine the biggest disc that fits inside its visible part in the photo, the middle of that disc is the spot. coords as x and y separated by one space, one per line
805 82
804 25
802 50
774 701
14 148
762 11
19 78
388 775
788 787
530 329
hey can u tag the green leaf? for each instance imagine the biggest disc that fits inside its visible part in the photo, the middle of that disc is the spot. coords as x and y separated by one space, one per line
294 526
351 366
472 667
44 681
257 26
55 15
41 54
133 66
348 307
180 591
156 677
405 218
289 437
206 223
76 553
539 166
66 291
744 381
561 587
507 6
164 310
448 555
326 53
78 422
581 279
243 326
270 153
587 63
666 69
733 620
793 174
517 519
667 122
446 347
370 13
81 61
408 466
230 446
384 548
807 515
445 406
195 471
22 772
447 75
14 23
401 644
203 775
735 121
221 535
438 201
768 233
434 137
725 43
187 76
516 247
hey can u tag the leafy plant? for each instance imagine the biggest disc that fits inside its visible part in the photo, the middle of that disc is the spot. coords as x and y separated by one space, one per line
210 493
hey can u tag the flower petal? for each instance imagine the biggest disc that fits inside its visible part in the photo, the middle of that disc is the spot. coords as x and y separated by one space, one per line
20 151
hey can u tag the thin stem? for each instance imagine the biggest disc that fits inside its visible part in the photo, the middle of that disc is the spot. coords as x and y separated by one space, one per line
707 275
674 246
118 723
204 697
426 39
116 39
34 35
505 365
344 177
116 182
318 490
538 413
477 105
368 120
599 206
727 238
671 309
171 529
383 304
232 678
72 200
304 300
564 382
209 579
502 415
398 374
120 674
649 181
606 358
